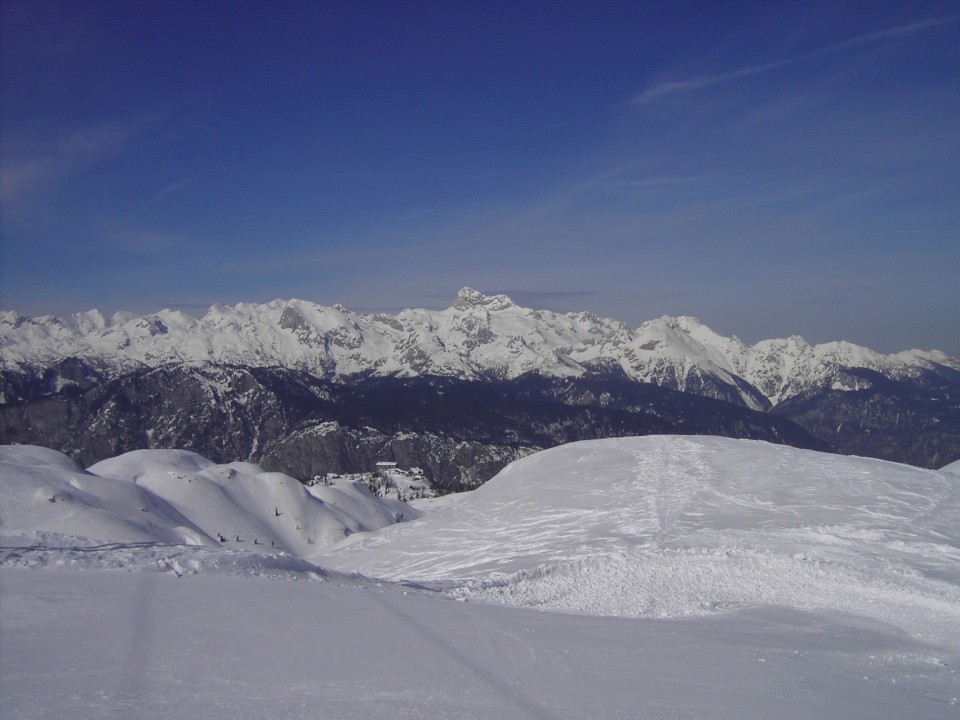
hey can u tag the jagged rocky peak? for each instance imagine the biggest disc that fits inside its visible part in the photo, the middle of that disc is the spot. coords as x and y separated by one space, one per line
480 335
793 345
468 298
687 323
291 319
12 319
89 322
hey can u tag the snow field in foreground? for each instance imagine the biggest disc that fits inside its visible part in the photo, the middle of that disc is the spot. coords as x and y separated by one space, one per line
110 644
700 578
676 583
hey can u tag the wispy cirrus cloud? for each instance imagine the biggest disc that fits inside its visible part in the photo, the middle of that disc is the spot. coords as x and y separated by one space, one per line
30 166
324 256
542 296
170 189
653 182
674 87
142 242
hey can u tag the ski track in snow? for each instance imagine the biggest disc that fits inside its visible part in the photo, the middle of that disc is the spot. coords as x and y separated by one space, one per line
55 551
672 526
638 527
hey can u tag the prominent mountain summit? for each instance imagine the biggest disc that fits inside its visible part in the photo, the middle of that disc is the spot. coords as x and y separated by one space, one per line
269 378
468 298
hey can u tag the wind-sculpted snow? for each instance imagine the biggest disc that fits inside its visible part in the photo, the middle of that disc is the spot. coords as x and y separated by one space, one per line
148 498
669 526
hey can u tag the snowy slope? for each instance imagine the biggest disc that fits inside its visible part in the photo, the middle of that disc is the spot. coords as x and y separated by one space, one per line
746 580
669 526
91 645
44 492
176 497
477 337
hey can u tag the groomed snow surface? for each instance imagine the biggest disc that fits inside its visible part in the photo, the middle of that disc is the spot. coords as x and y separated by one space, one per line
676 577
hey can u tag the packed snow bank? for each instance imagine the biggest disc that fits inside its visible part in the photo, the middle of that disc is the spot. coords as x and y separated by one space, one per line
174 497
93 645
668 526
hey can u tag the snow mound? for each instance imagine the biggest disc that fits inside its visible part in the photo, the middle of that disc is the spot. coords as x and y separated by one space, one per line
171 497
668 526
44 493
137 463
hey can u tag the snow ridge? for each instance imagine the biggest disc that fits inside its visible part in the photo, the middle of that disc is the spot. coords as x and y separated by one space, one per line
478 337
668 526
175 497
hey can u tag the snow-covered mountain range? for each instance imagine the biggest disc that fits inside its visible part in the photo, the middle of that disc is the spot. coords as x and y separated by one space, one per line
478 337
307 389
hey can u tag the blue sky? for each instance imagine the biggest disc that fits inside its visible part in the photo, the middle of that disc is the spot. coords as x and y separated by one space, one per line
770 168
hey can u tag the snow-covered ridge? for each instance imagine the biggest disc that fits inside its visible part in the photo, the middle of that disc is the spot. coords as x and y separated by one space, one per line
664 526
479 336
657 526
176 497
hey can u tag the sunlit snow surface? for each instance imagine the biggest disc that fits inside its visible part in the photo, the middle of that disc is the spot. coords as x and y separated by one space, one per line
175 497
669 526
697 578
478 336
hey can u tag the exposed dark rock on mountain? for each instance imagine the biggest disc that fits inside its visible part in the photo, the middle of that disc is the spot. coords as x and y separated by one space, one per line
460 432
912 421
310 389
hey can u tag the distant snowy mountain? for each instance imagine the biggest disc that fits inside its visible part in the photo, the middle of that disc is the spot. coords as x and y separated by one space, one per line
273 376
478 337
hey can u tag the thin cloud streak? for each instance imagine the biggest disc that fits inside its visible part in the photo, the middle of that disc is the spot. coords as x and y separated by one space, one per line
674 87
170 189
41 164
143 242
654 183
325 257
544 295
705 81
